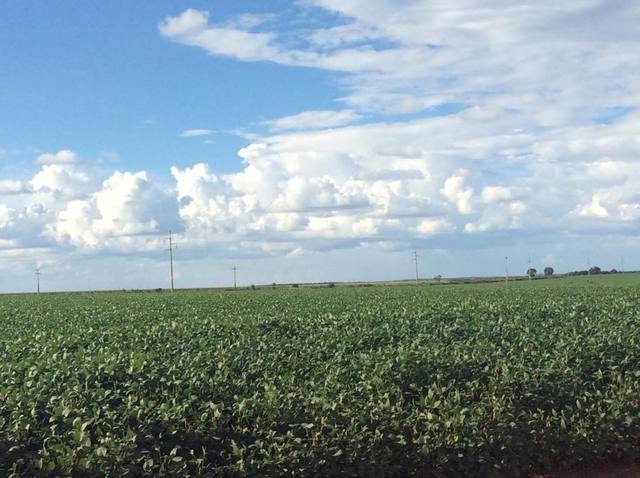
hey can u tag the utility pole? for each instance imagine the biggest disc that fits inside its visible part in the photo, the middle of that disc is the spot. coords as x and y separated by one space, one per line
38 279
529 268
171 247
415 259
506 270
588 266
235 284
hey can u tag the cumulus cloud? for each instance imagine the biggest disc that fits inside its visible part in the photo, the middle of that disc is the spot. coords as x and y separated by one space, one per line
67 205
12 186
202 198
457 192
492 194
128 204
431 179
302 188
594 208
6 216
430 227
60 179
418 179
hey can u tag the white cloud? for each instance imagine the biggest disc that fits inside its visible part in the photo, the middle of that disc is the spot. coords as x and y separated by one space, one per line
64 156
431 227
128 204
6 216
302 187
188 22
594 208
12 186
202 197
384 183
60 179
302 193
191 133
493 194
314 120
423 54
191 28
456 191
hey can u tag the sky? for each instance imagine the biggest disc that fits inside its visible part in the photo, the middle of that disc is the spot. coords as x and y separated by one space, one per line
315 140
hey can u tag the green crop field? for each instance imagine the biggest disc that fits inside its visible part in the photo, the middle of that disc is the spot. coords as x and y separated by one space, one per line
451 380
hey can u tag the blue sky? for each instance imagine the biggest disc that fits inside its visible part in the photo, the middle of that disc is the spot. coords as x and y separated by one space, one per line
293 138
100 77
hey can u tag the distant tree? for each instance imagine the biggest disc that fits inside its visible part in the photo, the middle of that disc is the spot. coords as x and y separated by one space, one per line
531 272
613 271
548 271
595 270
438 277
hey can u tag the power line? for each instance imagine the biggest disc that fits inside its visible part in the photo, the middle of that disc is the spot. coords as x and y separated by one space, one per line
235 284
506 270
415 259
37 271
172 246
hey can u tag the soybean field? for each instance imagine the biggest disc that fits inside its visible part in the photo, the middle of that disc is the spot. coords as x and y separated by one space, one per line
429 381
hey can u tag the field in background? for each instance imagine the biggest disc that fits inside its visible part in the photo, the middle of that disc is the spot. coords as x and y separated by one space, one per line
455 380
